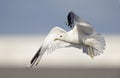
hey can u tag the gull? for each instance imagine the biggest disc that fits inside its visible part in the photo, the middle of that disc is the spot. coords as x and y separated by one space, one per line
81 36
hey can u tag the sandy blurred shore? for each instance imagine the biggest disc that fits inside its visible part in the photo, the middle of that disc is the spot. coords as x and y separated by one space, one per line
60 73
17 51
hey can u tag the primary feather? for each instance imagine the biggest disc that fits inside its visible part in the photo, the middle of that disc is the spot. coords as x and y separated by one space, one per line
93 43
48 45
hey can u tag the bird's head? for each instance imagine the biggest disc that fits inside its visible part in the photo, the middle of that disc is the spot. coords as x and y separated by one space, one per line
60 37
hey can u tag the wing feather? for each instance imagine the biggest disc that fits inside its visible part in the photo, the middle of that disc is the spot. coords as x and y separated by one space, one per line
87 30
48 45
91 39
81 25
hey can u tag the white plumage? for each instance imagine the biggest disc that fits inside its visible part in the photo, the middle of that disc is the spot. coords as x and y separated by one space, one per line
81 36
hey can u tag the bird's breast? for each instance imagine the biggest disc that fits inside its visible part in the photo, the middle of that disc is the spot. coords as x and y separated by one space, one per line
74 37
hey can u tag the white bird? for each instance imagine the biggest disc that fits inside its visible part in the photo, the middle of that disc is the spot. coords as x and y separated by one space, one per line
82 36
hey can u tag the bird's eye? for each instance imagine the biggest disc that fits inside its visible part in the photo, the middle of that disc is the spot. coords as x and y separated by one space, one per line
60 35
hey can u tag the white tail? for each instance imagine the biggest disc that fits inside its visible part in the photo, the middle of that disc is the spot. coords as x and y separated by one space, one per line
94 45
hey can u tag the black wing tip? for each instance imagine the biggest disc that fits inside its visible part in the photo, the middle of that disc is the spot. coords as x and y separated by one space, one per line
70 19
29 66
71 12
35 57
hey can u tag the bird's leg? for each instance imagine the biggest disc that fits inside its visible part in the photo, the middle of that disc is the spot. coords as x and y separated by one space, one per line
90 52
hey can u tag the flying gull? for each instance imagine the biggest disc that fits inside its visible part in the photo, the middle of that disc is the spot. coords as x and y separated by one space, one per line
81 36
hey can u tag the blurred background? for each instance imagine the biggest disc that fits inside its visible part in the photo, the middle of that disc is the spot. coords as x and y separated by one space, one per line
25 23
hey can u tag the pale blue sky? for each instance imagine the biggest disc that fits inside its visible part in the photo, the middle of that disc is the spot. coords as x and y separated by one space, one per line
40 16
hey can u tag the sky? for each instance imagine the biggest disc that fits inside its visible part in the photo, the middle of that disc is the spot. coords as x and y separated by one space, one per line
40 16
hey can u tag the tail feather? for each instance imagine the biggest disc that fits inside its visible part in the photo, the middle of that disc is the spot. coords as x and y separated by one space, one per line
34 59
94 45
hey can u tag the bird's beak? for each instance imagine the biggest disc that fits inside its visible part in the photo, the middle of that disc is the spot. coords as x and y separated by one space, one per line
56 39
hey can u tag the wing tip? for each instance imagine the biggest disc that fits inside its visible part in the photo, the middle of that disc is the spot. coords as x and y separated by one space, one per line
29 66
70 19
34 59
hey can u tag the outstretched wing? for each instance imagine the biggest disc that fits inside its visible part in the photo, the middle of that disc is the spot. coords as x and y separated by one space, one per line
94 43
48 45
74 21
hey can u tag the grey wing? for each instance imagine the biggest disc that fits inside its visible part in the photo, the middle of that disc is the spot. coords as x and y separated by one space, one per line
48 45
83 26
94 42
